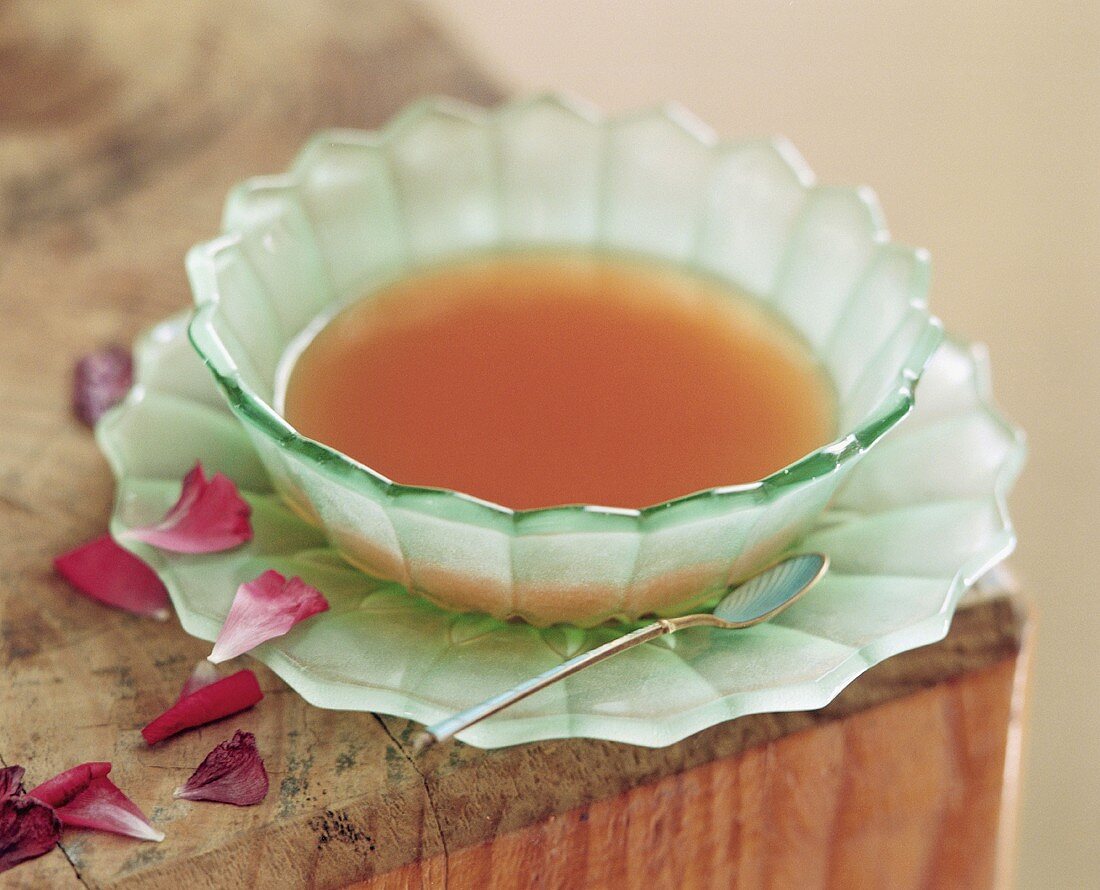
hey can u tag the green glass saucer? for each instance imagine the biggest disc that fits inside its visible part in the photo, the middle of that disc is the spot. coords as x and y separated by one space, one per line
917 522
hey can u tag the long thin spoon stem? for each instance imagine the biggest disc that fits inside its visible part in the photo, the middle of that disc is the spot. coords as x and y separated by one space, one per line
761 597
446 729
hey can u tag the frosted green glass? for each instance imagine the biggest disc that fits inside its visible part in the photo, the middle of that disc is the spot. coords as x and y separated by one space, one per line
445 179
912 526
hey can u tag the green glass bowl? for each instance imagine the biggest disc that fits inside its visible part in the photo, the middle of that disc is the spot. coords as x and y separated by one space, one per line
444 180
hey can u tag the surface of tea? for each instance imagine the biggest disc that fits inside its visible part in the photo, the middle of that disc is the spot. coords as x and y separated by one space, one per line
539 380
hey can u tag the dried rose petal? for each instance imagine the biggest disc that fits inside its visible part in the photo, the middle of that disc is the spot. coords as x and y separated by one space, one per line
104 571
264 608
227 696
232 773
100 381
28 828
11 781
210 516
203 675
83 797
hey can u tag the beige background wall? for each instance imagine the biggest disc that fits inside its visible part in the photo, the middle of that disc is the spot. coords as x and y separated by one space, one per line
978 124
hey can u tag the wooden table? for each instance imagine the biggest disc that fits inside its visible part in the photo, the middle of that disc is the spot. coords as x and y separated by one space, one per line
122 125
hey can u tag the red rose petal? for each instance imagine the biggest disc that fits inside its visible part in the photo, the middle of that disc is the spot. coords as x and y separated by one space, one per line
203 675
232 773
83 797
28 828
104 571
11 781
229 695
63 787
264 608
100 381
210 516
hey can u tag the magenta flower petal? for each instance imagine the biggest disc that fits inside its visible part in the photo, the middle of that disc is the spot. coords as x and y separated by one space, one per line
265 608
11 782
105 572
232 773
28 828
226 696
83 797
100 381
210 516
203 675
63 787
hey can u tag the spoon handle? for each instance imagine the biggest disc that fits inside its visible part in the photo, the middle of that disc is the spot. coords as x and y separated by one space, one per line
445 729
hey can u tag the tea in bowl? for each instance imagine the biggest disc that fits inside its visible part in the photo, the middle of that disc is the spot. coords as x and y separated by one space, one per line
550 366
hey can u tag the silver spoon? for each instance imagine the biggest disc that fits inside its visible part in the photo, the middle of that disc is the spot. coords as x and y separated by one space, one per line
761 597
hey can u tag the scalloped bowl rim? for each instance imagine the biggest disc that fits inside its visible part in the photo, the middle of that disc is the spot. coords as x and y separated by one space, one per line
260 415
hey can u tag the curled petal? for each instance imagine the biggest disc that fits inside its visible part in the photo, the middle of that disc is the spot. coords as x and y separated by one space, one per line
28 828
100 381
264 608
83 797
210 516
105 572
203 675
232 773
11 782
62 788
231 694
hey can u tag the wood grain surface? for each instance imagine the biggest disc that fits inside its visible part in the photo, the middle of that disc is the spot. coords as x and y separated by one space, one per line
907 794
122 125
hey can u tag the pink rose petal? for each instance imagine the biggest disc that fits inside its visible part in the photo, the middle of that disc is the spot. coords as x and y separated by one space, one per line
104 571
265 608
28 828
100 381
83 797
210 516
232 773
203 675
226 696
11 782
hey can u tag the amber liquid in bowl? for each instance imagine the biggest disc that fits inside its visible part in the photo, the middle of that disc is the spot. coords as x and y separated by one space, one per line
541 380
